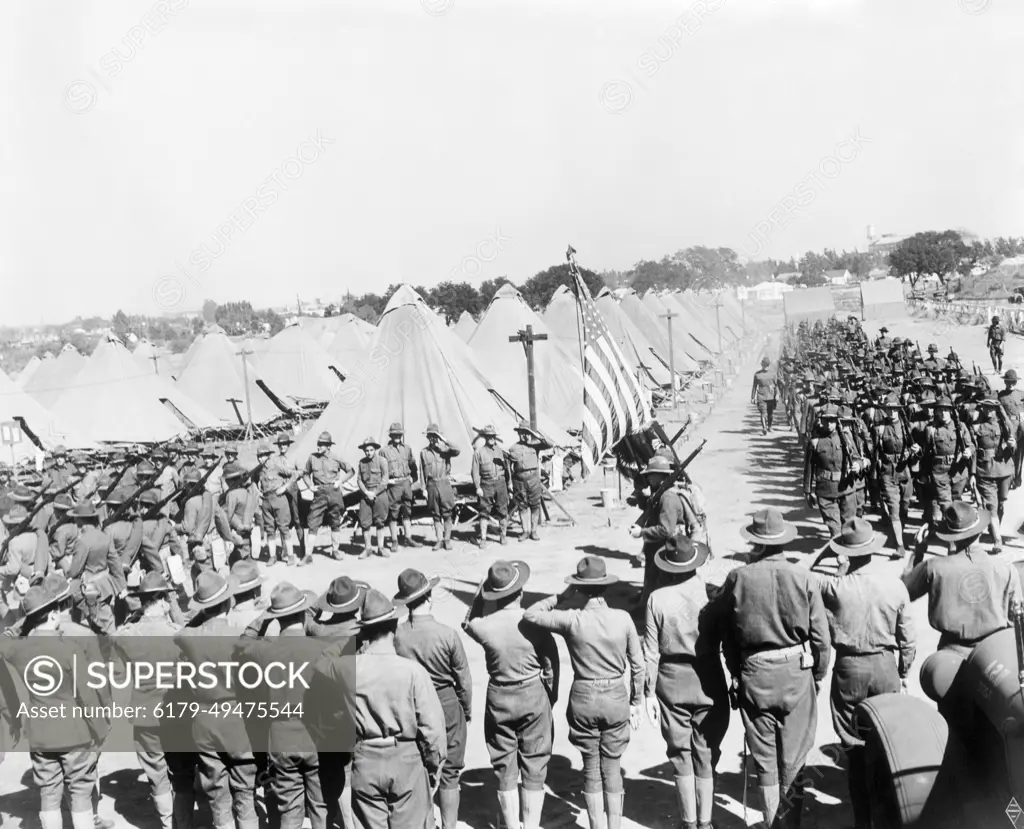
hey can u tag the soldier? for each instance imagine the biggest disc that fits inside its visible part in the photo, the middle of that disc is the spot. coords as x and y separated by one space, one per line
436 463
993 463
869 615
278 476
439 650
158 620
831 463
527 489
946 464
994 340
603 645
402 477
373 501
123 527
19 566
522 666
777 648
95 563
894 451
225 763
157 533
323 476
292 754
685 686
489 480
196 521
399 725
59 474
763 393
238 512
247 586
861 439
934 364
209 459
883 341
1012 400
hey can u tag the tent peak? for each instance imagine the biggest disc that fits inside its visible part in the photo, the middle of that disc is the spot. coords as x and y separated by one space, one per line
507 291
405 295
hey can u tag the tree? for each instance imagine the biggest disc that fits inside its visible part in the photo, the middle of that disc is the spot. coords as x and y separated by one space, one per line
330 310
121 324
275 321
812 267
452 298
210 310
931 252
539 288
489 287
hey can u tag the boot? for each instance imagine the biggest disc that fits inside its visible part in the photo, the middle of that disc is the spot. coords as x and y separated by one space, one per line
449 802
52 819
595 809
164 809
705 800
382 550
447 533
897 531
791 815
184 805
535 522
502 529
613 807
440 538
523 534
483 533
533 802
367 547
393 528
686 795
769 803
271 553
508 803
336 553
409 540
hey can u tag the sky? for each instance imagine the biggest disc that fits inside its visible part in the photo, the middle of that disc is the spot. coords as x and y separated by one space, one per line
157 154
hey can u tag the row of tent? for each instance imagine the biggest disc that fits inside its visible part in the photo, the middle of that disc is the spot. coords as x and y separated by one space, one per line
411 367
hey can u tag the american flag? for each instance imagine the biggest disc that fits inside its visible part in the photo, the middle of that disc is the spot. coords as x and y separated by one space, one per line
613 405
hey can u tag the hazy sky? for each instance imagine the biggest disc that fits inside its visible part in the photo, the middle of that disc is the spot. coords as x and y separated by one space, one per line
630 129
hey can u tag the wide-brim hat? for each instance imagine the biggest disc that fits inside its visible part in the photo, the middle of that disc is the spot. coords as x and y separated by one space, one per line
233 471
1011 374
857 538
433 429
38 600
245 575
15 515
504 578
324 439
414 585
264 449
153 582
345 595
487 431
829 411
378 609
591 572
680 554
369 441
283 439
86 509
22 495
961 520
286 600
211 589
59 452
769 528
396 428
57 586
659 464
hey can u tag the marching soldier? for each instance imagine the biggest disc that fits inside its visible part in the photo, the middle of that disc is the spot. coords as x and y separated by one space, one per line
946 463
373 500
439 650
402 476
934 363
777 648
323 475
603 645
527 489
883 341
685 687
20 565
763 393
994 340
894 451
96 564
873 636
522 668
1012 400
436 463
994 463
491 489
59 474
831 463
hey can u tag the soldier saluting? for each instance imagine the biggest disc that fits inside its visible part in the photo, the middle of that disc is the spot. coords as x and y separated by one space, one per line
527 489
436 463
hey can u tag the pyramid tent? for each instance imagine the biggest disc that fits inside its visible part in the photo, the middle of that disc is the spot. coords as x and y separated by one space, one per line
465 326
646 320
634 344
27 372
558 382
682 342
412 375
144 355
214 376
693 323
703 307
35 421
112 399
731 319
351 341
562 320
185 358
294 364
53 376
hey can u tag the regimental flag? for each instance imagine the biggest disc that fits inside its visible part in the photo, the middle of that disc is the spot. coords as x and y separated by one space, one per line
613 405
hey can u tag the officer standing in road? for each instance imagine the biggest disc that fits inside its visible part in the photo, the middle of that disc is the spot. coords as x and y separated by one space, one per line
763 393
439 650
402 477
489 479
777 647
603 647
994 340
436 463
323 475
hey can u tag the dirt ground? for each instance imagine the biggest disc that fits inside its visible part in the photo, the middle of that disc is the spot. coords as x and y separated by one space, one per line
740 471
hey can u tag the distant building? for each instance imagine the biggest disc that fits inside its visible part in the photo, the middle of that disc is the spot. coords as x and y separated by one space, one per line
837 277
764 292
888 242
788 276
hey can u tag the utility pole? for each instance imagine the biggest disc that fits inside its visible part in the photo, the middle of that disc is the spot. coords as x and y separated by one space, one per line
672 360
528 338
248 403
154 358
718 321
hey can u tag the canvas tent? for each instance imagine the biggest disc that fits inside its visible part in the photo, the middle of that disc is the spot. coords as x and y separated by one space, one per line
350 341
694 323
34 422
151 358
113 400
415 375
561 318
882 299
644 359
30 368
214 376
294 364
646 320
55 375
683 342
465 326
809 304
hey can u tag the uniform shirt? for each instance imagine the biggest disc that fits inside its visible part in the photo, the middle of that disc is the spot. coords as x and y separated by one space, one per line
125 539
95 553
994 459
277 471
236 507
824 464
771 604
941 446
1012 401
21 555
146 693
197 517
197 645
168 481
155 534
525 461
672 512
394 698
437 463
996 334
676 626
58 476
487 465
765 384
373 474
969 594
62 541
439 650
514 649
935 364
324 470
869 612
892 441
601 640
401 462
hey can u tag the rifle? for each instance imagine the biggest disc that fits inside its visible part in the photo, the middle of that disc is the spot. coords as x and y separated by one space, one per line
670 482
27 523
117 514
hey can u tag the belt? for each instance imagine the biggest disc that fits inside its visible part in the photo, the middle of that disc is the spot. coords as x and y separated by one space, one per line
775 654
512 683
822 475
398 478
383 741
676 659
945 458
606 681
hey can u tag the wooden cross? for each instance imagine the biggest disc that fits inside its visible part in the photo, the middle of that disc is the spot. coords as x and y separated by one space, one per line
528 338
154 358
